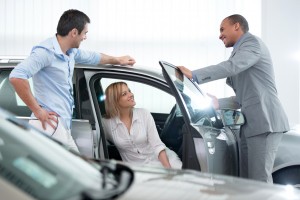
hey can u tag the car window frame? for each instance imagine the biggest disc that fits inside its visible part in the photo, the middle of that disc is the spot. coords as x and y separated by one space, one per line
145 95
210 111
123 75
147 80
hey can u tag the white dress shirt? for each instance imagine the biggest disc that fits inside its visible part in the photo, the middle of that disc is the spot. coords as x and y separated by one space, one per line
142 144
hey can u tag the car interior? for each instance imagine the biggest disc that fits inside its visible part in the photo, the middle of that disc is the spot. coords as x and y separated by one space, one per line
168 125
171 133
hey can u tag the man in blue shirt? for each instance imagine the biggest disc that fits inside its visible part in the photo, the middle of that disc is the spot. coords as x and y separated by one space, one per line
51 66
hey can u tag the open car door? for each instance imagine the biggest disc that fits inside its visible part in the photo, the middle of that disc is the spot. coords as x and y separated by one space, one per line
206 146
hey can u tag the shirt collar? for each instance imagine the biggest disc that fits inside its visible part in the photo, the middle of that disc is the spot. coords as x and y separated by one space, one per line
117 120
56 46
239 40
58 50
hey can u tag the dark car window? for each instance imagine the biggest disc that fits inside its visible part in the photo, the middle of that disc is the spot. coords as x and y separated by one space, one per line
8 97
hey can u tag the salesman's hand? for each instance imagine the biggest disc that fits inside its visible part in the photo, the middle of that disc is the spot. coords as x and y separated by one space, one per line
186 71
215 101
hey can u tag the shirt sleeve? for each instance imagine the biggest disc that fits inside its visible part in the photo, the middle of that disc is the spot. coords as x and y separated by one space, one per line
247 54
38 59
228 103
87 57
107 129
152 134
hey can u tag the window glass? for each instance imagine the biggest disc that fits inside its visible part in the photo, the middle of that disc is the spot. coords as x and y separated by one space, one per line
146 96
9 100
197 104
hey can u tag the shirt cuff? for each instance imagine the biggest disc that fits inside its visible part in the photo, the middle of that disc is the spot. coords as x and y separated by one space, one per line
194 77
159 149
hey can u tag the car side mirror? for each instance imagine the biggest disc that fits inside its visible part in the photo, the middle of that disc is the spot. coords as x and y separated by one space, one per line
232 117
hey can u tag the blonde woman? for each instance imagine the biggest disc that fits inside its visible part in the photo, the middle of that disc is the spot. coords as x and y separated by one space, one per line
133 130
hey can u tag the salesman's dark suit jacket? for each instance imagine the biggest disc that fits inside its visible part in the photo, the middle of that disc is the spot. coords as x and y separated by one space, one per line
249 71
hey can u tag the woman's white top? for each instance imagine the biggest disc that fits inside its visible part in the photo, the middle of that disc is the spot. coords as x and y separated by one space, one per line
142 144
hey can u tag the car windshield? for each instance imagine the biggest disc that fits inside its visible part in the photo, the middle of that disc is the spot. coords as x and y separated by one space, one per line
195 102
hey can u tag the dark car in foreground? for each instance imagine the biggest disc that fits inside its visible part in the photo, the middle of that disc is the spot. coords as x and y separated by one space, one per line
34 166
206 140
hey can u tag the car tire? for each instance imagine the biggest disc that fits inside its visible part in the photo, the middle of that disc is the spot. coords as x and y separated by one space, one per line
288 176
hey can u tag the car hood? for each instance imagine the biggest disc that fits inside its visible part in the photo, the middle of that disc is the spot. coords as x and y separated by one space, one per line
155 183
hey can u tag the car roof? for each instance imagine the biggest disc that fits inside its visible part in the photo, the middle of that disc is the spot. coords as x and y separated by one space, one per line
11 62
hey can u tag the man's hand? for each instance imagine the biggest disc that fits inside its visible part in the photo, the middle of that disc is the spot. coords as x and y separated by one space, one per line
22 88
46 117
186 71
215 101
122 60
126 60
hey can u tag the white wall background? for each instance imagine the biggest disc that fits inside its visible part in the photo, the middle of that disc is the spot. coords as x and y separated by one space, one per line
183 32
281 32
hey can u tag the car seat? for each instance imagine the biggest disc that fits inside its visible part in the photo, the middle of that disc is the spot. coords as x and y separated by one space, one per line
171 135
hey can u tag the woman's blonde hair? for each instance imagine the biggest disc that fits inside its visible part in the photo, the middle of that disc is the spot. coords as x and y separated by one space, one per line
113 94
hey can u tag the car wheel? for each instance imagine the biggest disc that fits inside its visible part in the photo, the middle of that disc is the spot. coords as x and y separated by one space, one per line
288 176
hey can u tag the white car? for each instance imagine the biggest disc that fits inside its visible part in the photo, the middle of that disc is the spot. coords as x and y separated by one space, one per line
202 137
34 166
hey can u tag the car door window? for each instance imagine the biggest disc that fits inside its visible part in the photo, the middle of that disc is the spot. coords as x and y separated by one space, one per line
146 96
199 107
9 98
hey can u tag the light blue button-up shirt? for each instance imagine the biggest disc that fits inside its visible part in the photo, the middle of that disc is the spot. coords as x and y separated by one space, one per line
239 40
52 73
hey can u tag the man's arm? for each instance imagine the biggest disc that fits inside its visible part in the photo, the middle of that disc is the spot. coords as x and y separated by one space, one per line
228 103
123 60
22 88
224 103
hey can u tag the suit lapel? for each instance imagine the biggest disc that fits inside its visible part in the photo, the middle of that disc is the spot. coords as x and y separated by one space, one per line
240 42
229 80
232 53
